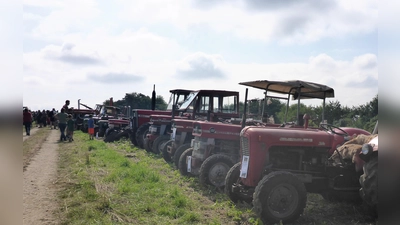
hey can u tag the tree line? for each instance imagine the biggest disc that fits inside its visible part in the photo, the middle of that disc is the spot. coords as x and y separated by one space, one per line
363 116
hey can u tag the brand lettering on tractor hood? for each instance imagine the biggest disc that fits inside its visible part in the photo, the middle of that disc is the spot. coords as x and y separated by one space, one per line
159 120
296 139
220 132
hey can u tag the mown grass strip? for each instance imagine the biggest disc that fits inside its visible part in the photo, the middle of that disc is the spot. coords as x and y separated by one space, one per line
114 183
117 184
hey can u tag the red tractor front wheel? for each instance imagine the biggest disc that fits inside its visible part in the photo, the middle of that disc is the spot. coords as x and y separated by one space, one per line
279 196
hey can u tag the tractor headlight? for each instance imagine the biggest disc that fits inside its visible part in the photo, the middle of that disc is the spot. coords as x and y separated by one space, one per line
366 149
197 129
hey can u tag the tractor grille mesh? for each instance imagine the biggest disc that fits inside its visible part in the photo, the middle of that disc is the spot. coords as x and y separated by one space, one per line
245 146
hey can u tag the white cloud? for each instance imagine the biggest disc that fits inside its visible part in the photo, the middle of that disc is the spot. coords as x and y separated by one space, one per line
366 61
290 23
200 66
86 41
67 16
352 85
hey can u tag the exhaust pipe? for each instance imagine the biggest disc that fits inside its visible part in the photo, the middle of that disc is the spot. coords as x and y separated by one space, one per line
245 109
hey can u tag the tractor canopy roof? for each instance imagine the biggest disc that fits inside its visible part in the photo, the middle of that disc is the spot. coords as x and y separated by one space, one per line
180 91
193 94
292 87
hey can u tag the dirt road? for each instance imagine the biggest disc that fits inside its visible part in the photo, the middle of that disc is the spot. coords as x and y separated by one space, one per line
33 131
39 192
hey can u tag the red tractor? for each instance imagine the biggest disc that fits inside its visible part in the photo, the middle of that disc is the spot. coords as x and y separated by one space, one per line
215 148
211 105
279 165
159 132
180 140
141 117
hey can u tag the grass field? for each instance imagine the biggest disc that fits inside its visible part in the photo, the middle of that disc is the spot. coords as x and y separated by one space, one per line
115 183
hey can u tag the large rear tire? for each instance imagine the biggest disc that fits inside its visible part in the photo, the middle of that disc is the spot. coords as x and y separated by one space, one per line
279 196
159 142
232 177
369 183
182 164
111 136
214 169
141 134
124 133
166 155
179 152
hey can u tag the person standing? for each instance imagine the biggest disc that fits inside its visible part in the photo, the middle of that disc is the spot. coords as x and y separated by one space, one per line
27 121
91 127
52 119
43 119
70 127
39 118
62 123
66 107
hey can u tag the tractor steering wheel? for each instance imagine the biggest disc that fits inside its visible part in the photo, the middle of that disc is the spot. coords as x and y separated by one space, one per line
331 128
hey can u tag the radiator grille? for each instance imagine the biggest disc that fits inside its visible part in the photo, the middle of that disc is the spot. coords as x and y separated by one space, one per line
245 146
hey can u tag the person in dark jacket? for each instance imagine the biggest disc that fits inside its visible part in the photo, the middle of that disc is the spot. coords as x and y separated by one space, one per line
38 118
70 128
51 114
66 107
62 123
43 119
27 121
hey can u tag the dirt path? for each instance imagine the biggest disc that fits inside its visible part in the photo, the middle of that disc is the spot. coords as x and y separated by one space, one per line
39 192
33 130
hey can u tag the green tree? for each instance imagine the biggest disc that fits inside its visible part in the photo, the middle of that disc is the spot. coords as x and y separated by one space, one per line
255 108
139 101
365 116
292 112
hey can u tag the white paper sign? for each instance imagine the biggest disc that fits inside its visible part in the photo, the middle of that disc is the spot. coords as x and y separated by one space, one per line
189 163
173 134
245 166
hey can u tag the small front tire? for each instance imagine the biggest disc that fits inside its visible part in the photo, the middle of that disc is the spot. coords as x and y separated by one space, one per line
159 143
179 152
232 177
214 169
279 196
182 164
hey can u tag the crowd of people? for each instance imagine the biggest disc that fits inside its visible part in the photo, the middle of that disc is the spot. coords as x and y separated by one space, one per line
51 118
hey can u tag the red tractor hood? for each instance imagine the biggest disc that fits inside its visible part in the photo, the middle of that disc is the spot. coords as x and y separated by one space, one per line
118 121
183 125
216 130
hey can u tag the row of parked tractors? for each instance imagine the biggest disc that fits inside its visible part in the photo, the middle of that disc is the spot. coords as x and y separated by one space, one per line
271 166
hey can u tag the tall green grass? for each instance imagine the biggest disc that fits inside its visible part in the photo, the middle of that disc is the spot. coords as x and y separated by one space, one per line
115 183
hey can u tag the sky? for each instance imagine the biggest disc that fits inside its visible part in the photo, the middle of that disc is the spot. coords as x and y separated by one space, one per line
96 49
